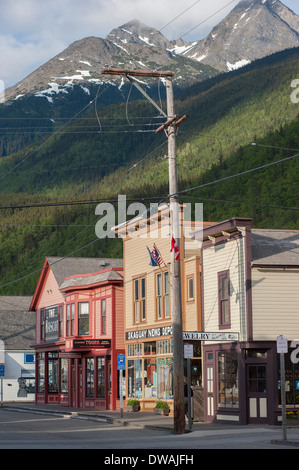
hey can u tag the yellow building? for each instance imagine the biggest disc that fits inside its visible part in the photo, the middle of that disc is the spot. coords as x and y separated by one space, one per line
148 320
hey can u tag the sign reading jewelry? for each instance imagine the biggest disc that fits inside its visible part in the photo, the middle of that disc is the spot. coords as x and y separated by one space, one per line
193 335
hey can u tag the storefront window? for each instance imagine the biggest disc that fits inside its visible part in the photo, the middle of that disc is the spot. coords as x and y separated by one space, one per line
291 382
52 372
228 379
90 377
150 378
150 348
135 349
101 378
164 366
41 373
135 378
64 375
165 346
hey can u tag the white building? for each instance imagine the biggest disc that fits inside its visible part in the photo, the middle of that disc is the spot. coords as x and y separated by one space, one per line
17 334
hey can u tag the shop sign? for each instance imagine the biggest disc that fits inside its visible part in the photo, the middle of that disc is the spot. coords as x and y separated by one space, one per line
92 343
282 344
149 333
188 351
51 325
199 336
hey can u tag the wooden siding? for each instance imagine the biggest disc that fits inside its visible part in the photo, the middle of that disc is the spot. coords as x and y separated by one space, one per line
225 256
137 261
50 294
275 303
119 335
191 307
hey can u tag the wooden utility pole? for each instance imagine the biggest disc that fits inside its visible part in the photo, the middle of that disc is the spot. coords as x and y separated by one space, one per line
170 128
175 279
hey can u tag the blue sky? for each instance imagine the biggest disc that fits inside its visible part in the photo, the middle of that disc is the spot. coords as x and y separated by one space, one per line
34 31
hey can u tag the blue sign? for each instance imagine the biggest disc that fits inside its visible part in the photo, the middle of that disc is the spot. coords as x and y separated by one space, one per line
121 362
2 371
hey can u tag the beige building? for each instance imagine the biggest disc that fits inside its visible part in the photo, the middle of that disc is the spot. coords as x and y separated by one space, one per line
250 294
148 320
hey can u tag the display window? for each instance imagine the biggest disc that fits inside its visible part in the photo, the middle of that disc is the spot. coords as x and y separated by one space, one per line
90 377
64 375
41 372
228 383
53 375
150 370
291 382
101 374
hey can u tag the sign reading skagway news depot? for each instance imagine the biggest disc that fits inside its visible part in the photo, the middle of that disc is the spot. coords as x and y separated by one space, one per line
193 335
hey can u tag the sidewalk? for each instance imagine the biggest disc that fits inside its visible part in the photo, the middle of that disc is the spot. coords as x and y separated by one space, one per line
139 419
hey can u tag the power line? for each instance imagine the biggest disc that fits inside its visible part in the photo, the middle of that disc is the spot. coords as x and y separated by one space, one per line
246 203
209 17
236 175
74 203
189 8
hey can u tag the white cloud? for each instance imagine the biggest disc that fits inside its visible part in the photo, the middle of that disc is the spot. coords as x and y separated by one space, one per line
33 31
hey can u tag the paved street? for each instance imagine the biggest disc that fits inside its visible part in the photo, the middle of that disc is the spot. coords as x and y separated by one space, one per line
20 430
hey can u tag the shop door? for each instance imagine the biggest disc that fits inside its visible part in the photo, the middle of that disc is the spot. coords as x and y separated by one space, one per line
108 403
209 387
257 402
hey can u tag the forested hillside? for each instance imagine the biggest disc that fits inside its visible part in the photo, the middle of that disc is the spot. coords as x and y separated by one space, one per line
226 114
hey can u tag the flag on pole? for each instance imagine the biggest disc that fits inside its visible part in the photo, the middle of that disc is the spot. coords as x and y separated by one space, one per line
157 255
153 262
175 247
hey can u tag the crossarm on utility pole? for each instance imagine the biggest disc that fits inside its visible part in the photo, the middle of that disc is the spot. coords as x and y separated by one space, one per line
146 95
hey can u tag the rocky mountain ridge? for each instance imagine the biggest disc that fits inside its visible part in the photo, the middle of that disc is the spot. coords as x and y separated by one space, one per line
252 30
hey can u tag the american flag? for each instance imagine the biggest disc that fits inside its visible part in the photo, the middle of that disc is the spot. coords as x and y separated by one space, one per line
157 255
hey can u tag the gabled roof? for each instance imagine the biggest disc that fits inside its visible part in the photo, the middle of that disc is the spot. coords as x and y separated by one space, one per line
17 324
63 268
74 266
88 281
275 248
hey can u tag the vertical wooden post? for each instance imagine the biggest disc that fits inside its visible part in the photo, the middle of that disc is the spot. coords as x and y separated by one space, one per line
176 302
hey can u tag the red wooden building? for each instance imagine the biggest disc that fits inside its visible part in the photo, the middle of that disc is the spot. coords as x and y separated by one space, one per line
79 332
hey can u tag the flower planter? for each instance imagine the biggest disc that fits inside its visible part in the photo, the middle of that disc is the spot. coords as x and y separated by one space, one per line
132 408
162 411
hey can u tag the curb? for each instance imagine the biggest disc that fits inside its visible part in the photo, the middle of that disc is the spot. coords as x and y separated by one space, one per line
87 417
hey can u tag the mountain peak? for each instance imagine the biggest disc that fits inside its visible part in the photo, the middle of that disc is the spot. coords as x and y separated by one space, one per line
136 32
252 30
